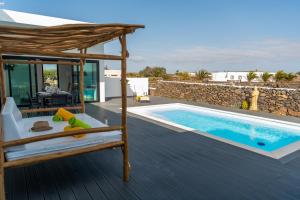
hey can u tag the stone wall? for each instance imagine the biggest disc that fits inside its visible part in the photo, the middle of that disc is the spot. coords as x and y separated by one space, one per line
282 101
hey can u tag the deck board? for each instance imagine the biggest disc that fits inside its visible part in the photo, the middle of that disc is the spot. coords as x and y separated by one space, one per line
166 164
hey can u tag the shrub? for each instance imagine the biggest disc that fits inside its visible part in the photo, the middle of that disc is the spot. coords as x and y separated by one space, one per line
251 76
203 75
183 75
153 72
280 75
266 76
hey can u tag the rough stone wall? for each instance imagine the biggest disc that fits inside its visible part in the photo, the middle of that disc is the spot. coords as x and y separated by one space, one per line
282 101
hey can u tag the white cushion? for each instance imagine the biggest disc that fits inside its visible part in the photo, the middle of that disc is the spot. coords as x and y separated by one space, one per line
12 117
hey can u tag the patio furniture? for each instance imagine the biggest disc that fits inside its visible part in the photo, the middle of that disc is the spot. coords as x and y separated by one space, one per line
33 102
20 127
60 98
18 147
145 99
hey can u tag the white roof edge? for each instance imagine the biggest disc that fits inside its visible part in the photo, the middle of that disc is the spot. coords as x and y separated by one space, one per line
33 19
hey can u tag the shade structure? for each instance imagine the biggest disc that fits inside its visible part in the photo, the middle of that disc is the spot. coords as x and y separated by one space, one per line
55 40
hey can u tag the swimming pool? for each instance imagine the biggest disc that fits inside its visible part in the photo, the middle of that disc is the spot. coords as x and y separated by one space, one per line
269 137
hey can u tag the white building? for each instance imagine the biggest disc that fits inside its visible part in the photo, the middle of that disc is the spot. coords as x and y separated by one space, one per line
24 79
234 76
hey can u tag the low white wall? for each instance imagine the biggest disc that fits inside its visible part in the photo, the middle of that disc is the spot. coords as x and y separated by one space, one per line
138 86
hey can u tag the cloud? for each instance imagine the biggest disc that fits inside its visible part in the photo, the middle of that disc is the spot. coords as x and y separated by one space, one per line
136 59
270 55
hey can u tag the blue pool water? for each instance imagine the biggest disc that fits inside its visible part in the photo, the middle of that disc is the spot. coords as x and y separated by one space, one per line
258 135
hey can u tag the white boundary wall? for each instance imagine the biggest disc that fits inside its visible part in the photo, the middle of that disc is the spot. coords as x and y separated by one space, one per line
135 86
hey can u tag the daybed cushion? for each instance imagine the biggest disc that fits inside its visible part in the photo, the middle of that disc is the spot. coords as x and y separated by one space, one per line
60 144
11 117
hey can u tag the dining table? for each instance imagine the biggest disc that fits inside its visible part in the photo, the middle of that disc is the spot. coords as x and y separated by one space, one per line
45 97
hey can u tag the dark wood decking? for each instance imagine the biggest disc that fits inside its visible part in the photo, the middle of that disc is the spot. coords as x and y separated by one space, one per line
165 165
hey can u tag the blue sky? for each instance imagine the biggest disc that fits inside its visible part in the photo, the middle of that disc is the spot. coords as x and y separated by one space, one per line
193 34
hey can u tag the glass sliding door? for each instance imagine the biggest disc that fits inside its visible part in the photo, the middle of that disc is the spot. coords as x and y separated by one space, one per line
91 81
19 82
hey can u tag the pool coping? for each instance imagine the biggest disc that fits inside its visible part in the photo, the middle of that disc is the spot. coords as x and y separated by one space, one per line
276 154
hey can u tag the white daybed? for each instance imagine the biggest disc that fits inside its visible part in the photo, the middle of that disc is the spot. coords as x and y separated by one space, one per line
15 127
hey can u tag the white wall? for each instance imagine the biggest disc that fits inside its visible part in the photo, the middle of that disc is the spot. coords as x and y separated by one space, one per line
139 86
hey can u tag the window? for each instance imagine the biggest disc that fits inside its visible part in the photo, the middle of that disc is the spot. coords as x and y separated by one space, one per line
231 77
240 77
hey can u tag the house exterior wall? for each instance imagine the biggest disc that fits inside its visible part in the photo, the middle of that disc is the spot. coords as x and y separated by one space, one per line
20 19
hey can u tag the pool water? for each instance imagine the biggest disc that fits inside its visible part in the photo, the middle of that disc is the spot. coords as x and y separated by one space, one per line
258 134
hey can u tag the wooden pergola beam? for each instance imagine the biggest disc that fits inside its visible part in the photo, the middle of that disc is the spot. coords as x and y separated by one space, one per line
60 54
81 81
60 134
37 110
124 108
55 155
2 81
40 62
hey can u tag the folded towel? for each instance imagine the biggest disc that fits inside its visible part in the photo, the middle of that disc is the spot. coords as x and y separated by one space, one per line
70 128
57 118
65 114
78 123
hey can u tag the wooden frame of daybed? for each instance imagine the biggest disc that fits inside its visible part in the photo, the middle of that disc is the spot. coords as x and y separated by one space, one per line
55 41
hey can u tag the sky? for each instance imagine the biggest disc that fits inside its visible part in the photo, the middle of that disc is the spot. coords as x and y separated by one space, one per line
189 35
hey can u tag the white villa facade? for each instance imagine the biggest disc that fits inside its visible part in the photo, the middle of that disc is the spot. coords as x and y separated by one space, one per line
23 80
234 76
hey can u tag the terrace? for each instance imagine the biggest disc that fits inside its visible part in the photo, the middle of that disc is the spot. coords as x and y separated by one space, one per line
167 163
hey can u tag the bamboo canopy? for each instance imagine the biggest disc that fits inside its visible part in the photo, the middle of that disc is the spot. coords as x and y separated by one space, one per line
57 41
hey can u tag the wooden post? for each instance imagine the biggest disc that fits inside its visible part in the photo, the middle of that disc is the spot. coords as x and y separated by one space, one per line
124 108
3 95
81 85
2 188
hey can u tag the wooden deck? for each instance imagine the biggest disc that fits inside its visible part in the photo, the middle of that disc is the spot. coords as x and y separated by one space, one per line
166 164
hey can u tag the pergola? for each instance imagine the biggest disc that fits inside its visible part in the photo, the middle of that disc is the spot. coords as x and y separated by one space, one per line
65 41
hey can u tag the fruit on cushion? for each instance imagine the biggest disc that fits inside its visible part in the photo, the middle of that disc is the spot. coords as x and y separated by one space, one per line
78 123
65 114
70 128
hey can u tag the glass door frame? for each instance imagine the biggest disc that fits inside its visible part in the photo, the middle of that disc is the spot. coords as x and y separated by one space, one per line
30 74
97 77
14 57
